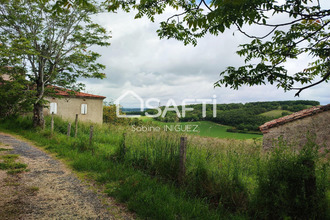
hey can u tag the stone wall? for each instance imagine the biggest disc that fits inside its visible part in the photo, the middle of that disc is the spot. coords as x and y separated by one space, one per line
67 108
295 132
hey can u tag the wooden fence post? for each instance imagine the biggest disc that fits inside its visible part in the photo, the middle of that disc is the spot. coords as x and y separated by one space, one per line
76 126
69 130
52 124
182 164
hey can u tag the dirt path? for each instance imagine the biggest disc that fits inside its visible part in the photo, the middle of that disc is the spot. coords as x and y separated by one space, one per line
49 190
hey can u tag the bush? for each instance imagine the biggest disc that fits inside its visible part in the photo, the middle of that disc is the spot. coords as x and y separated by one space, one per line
291 185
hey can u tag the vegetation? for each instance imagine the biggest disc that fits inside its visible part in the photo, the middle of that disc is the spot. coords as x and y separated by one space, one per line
287 185
224 179
243 117
110 116
204 129
303 30
8 163
15 98
276 113
48 49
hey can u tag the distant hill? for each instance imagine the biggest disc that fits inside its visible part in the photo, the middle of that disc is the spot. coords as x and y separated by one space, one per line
133 111
130 110
243 117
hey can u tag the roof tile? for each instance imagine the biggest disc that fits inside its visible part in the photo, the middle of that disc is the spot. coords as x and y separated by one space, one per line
67 92
297 115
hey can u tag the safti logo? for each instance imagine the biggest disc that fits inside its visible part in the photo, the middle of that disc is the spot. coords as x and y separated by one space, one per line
170 106
123 96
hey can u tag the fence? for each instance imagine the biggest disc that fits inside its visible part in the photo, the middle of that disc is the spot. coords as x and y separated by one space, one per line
182 156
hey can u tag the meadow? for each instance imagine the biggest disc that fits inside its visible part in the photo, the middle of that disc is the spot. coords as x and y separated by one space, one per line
276 113
225 178
206 129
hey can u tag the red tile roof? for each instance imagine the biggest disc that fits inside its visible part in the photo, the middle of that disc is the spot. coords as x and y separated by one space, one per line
67 92
297 115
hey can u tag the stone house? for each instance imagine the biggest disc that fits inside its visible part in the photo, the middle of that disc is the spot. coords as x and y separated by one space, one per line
67 104
295 127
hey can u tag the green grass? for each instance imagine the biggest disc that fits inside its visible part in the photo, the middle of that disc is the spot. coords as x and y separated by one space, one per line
10 165
141 170
148 190
146 118
275 113
205 129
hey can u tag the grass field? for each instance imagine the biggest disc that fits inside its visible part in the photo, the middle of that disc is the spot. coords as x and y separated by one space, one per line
204 128
275 113
224 178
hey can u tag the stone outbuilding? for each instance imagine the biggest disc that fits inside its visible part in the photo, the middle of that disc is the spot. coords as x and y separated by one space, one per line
295 127
67 104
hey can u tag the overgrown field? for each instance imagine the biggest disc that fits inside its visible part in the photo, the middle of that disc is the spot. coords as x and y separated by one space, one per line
225 179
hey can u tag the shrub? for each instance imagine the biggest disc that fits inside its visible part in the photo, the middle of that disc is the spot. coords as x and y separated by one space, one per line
291 184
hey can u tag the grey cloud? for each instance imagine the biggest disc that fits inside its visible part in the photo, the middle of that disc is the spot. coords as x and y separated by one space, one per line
138 60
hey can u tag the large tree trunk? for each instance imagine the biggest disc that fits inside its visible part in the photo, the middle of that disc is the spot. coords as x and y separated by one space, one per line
38 115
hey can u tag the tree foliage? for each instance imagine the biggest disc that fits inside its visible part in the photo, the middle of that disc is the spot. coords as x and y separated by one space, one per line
110 116
243 117
50 48
304 31
15 95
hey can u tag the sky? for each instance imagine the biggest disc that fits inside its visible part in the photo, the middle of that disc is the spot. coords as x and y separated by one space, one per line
139 61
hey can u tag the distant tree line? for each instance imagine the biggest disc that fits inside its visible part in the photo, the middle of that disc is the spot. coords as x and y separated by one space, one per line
243 117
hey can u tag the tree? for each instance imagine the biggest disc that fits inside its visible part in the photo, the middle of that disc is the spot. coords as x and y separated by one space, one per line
15 95
305 31
109 114
50 48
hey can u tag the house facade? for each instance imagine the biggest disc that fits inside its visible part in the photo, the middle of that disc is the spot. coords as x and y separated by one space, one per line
67 104
295 127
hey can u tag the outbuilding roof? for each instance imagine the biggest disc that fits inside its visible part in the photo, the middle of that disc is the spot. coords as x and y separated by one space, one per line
295 116
69 93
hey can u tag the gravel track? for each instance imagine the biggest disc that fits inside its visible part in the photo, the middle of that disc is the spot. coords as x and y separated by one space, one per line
57 194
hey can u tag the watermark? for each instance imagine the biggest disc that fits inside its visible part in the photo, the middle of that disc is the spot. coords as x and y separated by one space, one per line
171 105
174 128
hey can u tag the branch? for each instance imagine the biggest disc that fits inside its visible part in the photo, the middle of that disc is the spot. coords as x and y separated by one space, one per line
206 5
313 33
278 25
178 15
314 84
251 36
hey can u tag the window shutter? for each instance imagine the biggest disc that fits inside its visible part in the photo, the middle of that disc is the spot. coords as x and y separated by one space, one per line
84 109
53 107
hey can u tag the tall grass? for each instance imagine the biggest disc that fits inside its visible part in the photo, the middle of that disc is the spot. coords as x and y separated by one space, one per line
224 178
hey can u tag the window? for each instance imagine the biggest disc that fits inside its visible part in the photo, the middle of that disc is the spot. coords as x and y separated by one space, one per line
84 109
53 108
